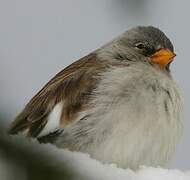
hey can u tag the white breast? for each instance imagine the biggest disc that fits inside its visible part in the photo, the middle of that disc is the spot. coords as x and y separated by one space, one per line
135 120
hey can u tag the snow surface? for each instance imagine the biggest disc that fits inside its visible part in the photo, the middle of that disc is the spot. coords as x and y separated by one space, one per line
83 167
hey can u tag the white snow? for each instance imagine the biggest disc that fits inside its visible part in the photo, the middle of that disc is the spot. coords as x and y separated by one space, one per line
83 167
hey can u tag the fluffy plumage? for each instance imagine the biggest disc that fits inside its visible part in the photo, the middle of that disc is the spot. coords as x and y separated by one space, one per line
116 104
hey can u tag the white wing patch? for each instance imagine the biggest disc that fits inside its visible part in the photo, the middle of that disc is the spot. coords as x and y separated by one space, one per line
53 121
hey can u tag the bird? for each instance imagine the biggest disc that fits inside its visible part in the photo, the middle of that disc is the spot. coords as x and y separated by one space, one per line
119 104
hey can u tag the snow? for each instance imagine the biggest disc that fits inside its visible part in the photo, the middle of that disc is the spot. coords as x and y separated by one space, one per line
81 166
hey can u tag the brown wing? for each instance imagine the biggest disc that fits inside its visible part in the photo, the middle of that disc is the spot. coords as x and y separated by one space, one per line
73 85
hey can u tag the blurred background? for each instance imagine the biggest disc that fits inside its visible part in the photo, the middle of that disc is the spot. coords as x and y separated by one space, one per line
38 38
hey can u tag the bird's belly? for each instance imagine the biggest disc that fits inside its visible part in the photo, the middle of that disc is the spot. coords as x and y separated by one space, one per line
129 127
142 131
130 134
138 147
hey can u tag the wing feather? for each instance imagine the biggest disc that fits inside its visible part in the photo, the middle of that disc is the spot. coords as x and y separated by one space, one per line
73 86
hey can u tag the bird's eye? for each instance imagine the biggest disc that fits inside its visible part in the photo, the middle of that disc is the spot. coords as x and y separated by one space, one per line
140 45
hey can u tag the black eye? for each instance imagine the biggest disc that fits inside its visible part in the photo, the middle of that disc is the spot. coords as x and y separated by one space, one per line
140 46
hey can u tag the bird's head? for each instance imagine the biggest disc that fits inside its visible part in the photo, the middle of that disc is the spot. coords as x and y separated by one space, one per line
146 44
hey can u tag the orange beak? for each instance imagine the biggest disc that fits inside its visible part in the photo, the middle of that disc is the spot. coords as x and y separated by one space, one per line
162 57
